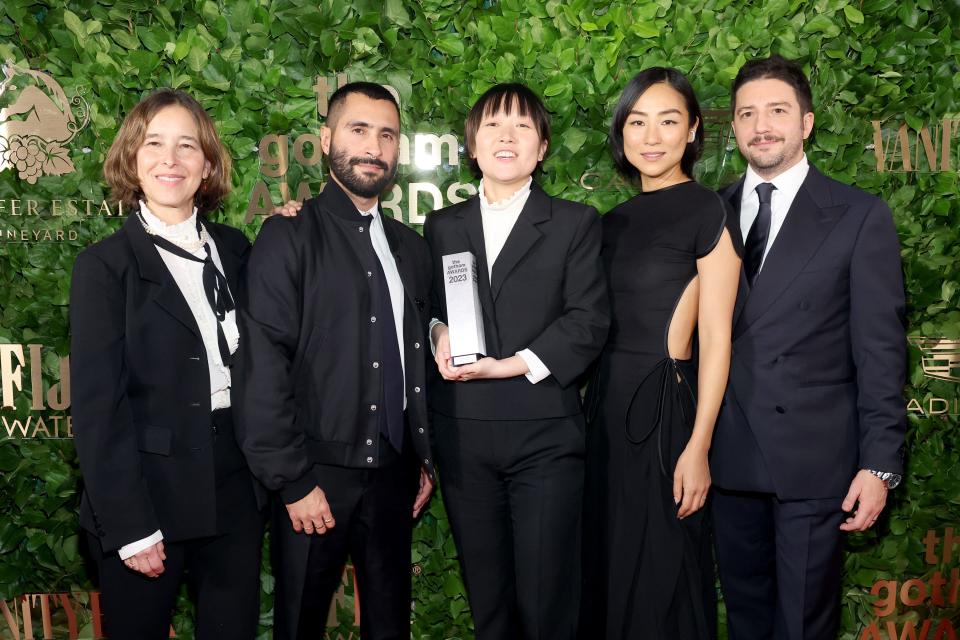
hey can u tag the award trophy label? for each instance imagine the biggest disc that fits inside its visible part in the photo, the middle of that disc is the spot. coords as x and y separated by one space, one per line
464 315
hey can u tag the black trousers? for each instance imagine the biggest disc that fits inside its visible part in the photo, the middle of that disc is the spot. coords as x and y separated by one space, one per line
374 526
513 492
223 571
780 564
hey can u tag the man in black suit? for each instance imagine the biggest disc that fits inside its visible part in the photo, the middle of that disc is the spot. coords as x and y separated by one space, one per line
333 418
811 432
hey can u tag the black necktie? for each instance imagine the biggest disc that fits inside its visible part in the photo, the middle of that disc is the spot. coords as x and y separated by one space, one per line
391 416
759 233
214 285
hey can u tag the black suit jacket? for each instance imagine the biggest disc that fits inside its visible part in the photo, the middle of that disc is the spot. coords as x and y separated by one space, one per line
141 390
819 351
307 387
548 293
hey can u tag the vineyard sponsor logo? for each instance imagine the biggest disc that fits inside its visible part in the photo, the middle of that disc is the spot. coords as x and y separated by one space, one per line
37 122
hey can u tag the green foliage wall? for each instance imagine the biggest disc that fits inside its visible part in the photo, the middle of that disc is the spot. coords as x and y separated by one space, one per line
253 64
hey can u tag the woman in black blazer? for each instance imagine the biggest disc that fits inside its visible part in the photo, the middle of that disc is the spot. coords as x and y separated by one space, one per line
509 428
166 489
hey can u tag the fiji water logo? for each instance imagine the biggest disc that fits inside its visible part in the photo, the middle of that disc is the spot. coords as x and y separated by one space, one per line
37 122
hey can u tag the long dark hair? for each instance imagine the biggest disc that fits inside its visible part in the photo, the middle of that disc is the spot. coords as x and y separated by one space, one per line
636 88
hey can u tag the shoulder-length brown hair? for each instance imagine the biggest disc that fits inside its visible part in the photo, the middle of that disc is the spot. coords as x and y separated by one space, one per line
120 168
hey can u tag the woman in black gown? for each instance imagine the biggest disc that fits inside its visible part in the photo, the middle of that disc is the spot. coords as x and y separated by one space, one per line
673 271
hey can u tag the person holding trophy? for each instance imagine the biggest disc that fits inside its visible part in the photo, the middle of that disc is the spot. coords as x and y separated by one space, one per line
508 423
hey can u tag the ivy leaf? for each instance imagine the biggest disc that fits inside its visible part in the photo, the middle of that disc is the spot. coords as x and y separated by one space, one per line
75 24
854 15
450 43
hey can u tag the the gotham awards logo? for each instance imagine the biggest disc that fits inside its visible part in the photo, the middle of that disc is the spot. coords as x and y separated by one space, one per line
940 360
937 591
43 415
37 122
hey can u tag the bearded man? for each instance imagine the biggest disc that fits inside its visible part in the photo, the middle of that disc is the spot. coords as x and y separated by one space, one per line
332 375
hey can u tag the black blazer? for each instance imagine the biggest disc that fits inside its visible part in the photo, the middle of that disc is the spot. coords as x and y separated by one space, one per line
141 390
306 389
548 293
819 351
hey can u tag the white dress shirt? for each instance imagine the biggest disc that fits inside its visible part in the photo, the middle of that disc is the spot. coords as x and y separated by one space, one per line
498 221
378 237
188 275
787 185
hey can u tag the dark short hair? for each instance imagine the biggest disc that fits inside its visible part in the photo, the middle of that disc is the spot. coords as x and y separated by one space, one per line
637 86
120 167
371 90
503 97
778 68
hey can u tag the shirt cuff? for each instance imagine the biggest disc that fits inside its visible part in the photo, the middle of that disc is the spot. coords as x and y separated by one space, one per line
537 370
132 549
433 322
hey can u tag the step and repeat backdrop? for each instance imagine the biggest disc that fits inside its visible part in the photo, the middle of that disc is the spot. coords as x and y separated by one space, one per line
885 76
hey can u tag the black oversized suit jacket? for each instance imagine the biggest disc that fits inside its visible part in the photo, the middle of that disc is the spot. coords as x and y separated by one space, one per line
305 386
819 351
141 390
547 293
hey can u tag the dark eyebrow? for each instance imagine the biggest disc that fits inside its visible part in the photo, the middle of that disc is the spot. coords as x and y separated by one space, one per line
366 125
643 113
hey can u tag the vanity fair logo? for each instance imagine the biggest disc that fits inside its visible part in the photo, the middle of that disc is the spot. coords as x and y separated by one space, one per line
940 360
916 148
37 122
43 414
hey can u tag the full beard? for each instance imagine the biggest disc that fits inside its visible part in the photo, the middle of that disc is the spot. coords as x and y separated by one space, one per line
364 186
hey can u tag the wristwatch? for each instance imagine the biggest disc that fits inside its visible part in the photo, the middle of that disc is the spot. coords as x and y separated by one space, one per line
889 479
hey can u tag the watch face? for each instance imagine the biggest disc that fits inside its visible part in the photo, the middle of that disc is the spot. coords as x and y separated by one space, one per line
893 480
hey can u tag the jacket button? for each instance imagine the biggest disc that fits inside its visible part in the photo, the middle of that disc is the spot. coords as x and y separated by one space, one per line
373 407
373 318
369 274
376 365
360 229
426 461
369 459
780 409
420 430
416 389
369 442
416 345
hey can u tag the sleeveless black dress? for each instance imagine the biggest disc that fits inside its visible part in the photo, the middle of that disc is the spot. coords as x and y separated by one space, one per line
649 574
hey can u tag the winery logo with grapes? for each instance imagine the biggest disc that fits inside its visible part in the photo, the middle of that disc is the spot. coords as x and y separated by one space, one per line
37 122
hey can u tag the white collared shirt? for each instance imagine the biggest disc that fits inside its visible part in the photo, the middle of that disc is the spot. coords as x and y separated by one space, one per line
378 237
498 220
787 185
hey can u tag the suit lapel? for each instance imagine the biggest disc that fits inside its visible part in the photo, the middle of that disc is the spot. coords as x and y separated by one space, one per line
229 257
734 194
522 238
809 221
472 226
151 266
